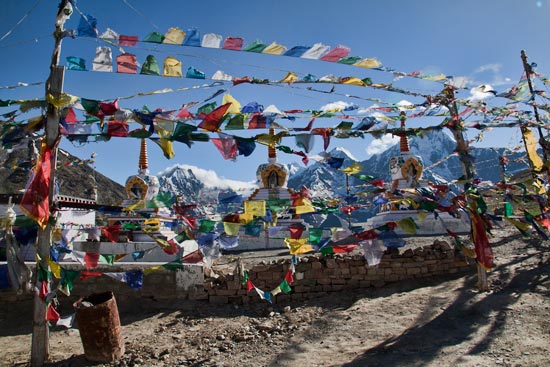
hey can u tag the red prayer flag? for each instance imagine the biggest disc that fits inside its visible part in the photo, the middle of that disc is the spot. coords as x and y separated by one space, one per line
213 120
340 249
51 313
289 277
192 258
295 232
258 121
91 260
126 63
484 253
127 40
233 43
227 147
336 54
117 128
35 202
249 285
111 232
89 274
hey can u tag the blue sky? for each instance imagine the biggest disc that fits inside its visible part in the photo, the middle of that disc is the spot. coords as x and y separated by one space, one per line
478 39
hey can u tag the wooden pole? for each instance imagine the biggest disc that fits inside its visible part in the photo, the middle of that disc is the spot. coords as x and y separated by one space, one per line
54 86
528 71
468 170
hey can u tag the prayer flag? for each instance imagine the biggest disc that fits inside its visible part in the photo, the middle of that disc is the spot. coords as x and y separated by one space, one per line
103 60
172 67
126 63
233 43
174 36
35 202
338 53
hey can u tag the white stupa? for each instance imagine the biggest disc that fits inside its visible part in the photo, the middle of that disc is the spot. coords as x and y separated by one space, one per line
406 174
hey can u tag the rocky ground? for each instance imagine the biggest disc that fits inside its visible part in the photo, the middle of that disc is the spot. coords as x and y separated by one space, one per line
435 322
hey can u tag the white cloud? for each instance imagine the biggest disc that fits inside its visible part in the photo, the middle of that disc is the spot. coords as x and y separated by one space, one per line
211 179
379 145
495 68
490 72
339 106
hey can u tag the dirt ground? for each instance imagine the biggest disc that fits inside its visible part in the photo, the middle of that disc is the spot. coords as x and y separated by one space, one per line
432 322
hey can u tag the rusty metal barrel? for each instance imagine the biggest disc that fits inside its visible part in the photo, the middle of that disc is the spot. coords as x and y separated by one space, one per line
99 325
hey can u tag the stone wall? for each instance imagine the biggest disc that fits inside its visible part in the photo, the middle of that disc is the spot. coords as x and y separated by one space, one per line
315 275
318 275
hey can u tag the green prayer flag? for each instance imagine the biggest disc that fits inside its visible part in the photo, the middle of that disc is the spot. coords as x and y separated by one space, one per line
174 265
315 235
150 66
207 226
154 37
106 259
327 250
256 46
207 108
350 60
285 287
245 277
235 123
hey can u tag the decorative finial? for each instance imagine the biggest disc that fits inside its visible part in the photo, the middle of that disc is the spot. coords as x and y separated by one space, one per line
404 143
143 159
271 151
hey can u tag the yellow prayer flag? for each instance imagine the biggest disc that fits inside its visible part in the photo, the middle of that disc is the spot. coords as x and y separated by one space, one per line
231 229
139 205
151 270
353 81
276 291
304 207
245 218
55 269
407 225
172 67
289 78
274 49
368 63
519 225
174 36
298 246
422 216
255 207
63 100
531 148
353 169
235 105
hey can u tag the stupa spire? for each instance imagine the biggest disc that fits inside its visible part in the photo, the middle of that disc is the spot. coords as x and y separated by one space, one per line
271 151
143 164
404 142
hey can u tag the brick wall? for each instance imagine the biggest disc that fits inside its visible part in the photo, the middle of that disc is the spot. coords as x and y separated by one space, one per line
315 275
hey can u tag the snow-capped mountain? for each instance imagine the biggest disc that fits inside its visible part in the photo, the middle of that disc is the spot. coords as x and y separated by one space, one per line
194 185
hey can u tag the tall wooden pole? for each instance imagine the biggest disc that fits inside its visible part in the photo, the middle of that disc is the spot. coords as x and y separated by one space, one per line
54 87
468 170
528 71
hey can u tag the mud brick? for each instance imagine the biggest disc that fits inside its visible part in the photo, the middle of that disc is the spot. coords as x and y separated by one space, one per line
324 281
362 270
391 278
304 266
301 288
266 275
338 281
399 271
413 271
331 263
345 271
316 265
218 300
337 288
225 292
396 264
